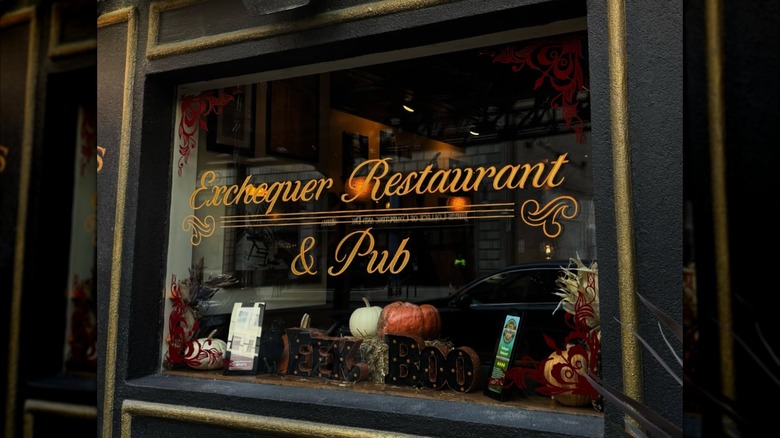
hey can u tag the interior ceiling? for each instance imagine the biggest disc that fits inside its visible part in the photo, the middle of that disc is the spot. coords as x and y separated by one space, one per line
452 94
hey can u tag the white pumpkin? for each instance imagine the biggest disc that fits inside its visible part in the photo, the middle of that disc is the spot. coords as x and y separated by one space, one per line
205 353
363 321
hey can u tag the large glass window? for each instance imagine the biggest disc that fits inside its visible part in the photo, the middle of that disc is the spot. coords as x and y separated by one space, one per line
460 179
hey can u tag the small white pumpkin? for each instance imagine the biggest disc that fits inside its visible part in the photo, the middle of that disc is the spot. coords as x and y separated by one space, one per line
363 321
205 353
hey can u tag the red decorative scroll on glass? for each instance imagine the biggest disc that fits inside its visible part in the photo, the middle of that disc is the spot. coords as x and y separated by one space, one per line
88 138
558 61
82 338
182 325
194 110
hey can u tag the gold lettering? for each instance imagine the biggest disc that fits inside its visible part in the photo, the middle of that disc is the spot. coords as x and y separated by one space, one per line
497 182
511 181
560 161
423 174
391 182
247 193
537 177
373 267
220 194
324 184
288 194
374 176
396 265
377 169
407 184
101 153
306 194
207 177
393 267
468 174
231 189
259 193
305 259
442 176
348 256
272 194
489 172
434 182
245 190
303 193
447 184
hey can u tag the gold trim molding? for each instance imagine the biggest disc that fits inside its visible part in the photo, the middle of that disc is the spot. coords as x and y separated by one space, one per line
128 15
65 49
624 212
352 13
32 406
716 115
240 421
18 17
115 17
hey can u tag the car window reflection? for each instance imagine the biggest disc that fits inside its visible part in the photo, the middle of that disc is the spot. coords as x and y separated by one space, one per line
515 287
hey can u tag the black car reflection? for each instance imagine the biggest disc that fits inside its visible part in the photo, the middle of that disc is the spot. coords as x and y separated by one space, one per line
473 316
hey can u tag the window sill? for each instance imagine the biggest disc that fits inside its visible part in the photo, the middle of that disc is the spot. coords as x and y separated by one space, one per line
522 411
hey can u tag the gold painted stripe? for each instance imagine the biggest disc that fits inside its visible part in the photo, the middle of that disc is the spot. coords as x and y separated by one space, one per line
260 219
624 214
353 13
379 211
25 161
58 50
236 420
32 406
713 14
109 384
299 224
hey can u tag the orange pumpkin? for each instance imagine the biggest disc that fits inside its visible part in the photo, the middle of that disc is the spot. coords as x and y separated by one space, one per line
404 318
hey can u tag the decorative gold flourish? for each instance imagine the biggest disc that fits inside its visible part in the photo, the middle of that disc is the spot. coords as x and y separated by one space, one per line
200 228
547 216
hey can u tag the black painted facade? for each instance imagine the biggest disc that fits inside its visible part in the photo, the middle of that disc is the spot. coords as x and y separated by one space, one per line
40 83
190 42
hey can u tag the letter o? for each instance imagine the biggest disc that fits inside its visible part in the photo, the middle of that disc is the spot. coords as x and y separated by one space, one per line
433 367
462 369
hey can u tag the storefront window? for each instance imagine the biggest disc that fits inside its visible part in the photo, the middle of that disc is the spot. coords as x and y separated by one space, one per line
459 179
81 345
